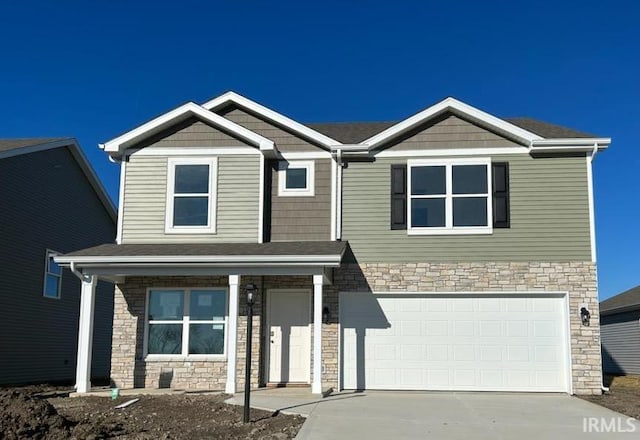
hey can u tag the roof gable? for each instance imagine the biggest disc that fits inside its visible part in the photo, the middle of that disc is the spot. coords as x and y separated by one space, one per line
117 146
306 132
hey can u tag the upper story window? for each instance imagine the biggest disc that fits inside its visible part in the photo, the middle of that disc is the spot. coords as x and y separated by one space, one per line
52 277
449 196
296 178
191 197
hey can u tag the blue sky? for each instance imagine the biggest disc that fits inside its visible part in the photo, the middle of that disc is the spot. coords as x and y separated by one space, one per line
95 69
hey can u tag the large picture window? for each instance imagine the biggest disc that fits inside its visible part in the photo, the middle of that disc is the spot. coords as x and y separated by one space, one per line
186 322
449 197
191 195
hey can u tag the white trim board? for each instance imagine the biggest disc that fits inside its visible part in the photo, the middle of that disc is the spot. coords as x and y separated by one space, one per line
271 115
116 146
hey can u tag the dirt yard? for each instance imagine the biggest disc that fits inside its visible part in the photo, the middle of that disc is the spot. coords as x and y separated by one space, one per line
623 397
32 413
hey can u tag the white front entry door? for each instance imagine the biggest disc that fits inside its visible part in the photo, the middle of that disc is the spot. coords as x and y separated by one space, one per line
472 342
289 336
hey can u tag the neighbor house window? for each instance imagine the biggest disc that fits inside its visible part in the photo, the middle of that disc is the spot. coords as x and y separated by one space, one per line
296 178
191 195
449 197
52 276
186 322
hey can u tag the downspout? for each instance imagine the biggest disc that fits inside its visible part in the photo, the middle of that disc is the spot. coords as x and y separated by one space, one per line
76 272
339 196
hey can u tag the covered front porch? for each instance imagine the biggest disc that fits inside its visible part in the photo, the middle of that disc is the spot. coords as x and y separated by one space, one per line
180 315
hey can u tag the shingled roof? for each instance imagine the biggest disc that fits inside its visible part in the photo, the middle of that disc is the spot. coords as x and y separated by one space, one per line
356 132
13 144
627 300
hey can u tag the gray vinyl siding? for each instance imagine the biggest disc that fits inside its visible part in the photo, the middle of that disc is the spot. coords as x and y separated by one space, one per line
47 202
620 335
193 133
549 216
284 140
303 218
237 201
450 131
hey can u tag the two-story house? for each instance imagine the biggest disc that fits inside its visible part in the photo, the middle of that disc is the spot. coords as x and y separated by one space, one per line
452 250
52 202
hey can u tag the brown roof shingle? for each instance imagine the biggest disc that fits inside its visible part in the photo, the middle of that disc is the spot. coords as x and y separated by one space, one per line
13 144
625 300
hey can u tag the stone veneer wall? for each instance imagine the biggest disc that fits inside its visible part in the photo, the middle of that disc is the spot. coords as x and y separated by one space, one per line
578 278
129 369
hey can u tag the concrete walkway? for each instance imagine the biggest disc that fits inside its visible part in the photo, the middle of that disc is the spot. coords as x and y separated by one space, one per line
441 415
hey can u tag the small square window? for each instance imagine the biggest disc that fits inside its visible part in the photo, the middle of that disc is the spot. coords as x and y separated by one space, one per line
296 178
52 277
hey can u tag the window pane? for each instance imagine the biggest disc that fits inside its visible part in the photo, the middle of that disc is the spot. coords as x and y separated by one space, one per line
165 339
206 338
469 179
470 211
428 180
51 286
166 305
191 211
427 213
53 267
208 305
192 179
296 178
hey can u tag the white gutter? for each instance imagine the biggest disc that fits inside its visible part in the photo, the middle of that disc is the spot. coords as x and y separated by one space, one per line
203 259
339 196
76 272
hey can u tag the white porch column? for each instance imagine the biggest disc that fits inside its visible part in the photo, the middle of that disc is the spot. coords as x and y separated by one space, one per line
316 386
85 333
234 284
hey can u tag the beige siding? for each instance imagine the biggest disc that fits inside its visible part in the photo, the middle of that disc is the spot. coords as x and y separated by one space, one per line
450 131
549 216
285 141
303 218
236 210
193 133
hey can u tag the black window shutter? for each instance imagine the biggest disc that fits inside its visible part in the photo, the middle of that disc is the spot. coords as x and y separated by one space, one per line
399 196
500 175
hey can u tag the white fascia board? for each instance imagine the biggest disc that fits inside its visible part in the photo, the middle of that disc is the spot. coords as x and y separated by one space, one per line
451 104
267 113
215 260
118 145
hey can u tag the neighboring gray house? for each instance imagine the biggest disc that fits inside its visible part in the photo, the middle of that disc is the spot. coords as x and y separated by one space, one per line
453 250
620 332
52 202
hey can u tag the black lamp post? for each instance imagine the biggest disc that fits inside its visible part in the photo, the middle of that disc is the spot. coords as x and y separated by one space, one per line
251 291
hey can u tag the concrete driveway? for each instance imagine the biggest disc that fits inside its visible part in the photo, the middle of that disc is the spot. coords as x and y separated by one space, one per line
443 415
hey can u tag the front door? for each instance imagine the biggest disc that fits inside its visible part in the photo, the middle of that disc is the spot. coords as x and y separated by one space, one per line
289 336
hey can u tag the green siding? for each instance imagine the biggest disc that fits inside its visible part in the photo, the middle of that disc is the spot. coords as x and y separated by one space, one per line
236 210
549 216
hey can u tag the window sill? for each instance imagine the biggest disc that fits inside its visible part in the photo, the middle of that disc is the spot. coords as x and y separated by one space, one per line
211 231
444 231
189 358
288 193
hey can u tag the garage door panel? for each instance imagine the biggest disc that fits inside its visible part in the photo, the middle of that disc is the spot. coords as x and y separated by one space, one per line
453 343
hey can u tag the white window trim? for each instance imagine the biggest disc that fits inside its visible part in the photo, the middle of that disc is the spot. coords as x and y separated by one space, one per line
185 327
449 229
210 228
49 254
309 191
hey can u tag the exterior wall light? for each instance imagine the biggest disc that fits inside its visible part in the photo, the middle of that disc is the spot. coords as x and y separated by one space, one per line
326 315
585 316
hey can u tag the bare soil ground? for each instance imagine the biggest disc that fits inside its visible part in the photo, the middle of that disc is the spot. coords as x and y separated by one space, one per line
623 395
32 413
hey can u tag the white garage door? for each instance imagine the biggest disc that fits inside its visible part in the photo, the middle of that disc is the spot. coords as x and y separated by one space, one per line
454 342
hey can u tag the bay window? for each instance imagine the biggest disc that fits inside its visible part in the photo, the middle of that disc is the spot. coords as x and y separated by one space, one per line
449 196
